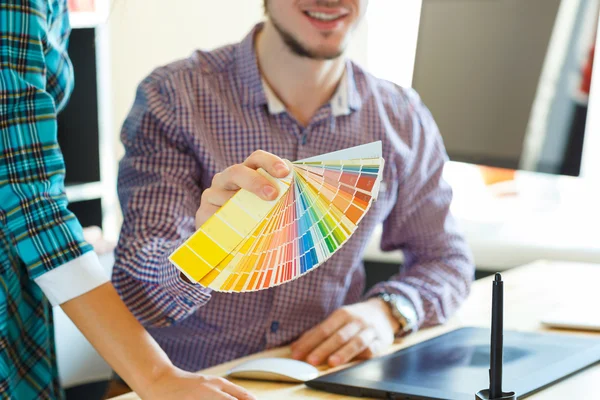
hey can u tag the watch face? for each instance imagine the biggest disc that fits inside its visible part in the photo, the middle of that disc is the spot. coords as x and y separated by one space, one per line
406 312
402 309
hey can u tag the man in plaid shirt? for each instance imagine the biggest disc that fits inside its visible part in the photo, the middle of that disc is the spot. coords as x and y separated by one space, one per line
44 259
200 128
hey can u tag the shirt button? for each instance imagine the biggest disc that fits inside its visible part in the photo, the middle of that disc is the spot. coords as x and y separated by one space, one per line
274 326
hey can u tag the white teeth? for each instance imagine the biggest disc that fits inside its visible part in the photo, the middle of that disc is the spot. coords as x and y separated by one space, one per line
323 16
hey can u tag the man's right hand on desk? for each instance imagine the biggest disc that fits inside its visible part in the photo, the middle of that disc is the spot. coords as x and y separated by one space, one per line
242 176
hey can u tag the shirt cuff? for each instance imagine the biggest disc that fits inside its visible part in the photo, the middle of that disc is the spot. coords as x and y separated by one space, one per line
73 279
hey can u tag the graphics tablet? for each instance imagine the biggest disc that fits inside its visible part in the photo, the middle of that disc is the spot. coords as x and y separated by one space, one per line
455 366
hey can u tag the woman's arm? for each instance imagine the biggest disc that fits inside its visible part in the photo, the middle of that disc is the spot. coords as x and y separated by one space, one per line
135 356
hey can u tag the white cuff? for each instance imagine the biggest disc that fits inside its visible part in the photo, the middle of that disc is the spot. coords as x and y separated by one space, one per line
73 279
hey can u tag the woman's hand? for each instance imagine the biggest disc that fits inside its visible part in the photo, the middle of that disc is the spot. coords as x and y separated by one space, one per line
181 385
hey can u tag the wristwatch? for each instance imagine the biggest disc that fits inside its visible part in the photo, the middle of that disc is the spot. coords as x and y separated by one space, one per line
402 309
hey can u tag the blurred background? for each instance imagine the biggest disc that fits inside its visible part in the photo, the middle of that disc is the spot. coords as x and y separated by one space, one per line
509 83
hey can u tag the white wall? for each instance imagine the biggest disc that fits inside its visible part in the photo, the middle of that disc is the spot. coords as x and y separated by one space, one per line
392 39
590 162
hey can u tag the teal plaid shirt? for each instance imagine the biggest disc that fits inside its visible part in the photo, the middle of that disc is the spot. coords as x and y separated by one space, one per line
37 232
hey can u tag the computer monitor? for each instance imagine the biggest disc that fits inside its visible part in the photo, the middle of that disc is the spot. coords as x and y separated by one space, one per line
508 81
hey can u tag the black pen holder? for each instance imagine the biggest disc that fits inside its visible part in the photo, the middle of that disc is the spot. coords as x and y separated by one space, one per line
485 395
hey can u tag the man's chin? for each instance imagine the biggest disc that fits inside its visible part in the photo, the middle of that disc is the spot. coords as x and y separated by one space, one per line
326 49
325 54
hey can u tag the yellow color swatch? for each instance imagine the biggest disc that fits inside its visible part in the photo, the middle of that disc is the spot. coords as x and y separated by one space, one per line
211 251
196 268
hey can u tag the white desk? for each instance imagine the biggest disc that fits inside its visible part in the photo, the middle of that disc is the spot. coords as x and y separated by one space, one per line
551 217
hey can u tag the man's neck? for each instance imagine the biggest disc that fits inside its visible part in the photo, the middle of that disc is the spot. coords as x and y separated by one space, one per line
301 83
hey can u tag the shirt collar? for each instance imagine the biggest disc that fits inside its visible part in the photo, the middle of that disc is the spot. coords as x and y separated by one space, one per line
255 91
339 100
275 105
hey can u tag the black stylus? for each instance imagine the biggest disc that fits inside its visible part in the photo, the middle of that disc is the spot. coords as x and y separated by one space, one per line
494 392
497 338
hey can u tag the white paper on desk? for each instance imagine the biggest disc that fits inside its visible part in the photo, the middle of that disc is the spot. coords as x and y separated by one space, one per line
573 318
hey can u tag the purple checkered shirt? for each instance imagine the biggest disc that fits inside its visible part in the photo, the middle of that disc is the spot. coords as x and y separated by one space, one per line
194 118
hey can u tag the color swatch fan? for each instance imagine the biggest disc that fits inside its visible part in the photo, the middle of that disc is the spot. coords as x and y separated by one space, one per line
251 244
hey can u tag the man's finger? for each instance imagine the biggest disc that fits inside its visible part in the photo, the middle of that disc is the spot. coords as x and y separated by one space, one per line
240 176
216 197
221 396
274 165
373 349
204 213
317 335
334 342
353 348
